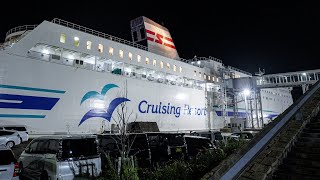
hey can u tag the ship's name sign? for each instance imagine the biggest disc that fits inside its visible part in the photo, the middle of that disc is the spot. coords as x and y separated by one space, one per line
168 108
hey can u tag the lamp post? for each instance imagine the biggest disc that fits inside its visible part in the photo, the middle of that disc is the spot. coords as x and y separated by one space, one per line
246 92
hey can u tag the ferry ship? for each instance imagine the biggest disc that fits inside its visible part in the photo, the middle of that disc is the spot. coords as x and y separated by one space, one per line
59 77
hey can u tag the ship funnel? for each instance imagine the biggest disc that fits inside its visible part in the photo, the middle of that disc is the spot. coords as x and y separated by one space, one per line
156 37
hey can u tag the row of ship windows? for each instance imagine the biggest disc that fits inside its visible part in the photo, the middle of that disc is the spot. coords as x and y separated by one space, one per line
274 99
130 56
278 94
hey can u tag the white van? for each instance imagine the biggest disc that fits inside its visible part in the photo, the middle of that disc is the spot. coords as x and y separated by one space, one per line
61 157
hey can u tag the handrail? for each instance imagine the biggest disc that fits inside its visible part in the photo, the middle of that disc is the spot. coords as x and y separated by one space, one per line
240 165
239 70
215 59
20 28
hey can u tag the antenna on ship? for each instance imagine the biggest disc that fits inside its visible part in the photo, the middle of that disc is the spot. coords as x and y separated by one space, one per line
260 73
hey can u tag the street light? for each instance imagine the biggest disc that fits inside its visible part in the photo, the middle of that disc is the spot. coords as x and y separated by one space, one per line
246 92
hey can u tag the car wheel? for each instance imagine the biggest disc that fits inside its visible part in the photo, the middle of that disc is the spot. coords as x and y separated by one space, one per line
44 176
10 144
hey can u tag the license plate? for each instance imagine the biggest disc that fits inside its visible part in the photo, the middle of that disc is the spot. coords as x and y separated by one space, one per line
178 150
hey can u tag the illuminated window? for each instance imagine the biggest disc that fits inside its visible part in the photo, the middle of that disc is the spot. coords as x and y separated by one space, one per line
100 48
195 73
199 74
130 55
76 41
174 68
217 79
168 66
209 78
180 69
111 51
212 78
147 60
204 76
138 58
154 63
120 53
89 44
161 64
63 38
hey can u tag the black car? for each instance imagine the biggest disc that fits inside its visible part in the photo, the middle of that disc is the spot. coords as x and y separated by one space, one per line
214 136
136 143
197 144
166 146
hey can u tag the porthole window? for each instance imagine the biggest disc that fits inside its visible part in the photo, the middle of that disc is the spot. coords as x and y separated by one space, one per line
130 55
120 53
138 58
100 48
111 50
63 38
76 41
89 43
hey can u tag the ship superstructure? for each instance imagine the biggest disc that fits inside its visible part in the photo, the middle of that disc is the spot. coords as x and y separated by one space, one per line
60 77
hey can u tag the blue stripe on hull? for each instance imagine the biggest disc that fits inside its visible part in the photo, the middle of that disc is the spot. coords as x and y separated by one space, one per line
242 114
31 89
28 102
21 116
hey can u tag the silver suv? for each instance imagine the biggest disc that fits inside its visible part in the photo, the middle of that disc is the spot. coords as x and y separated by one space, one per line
61 157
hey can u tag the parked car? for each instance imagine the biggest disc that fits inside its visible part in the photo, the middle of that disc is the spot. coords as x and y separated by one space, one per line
197 144
110 145
244 135
61 157
214 136
9 167
166 146
22 131
9 138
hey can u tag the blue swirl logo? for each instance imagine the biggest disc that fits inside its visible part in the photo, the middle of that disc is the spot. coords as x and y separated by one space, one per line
103 113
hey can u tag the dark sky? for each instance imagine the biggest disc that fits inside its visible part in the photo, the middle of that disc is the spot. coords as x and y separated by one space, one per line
246 36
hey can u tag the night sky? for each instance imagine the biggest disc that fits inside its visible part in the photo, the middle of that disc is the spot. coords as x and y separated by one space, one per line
245 36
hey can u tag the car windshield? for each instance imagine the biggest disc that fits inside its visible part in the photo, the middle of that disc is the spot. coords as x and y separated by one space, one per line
16 128
176 140
79 147
138 141
6 157
218 136
4 133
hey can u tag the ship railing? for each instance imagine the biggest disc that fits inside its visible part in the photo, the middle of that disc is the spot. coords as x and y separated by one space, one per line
97 33
20 28
239 70
205 59
215 59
